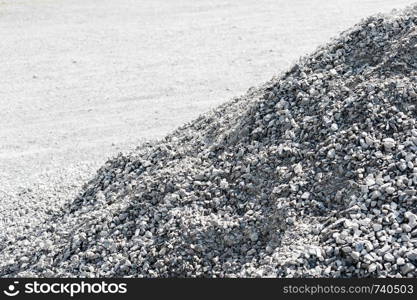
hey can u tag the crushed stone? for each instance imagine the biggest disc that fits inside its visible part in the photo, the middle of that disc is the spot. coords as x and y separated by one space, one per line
313 174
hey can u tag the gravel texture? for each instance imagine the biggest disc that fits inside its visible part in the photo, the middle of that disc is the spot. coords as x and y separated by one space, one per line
312 175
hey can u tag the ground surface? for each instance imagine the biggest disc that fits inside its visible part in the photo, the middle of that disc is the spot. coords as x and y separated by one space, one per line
81 80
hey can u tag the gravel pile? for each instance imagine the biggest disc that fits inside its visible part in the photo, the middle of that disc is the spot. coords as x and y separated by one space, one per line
313 174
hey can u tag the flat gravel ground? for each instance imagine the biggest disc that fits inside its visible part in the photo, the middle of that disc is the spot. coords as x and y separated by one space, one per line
82 80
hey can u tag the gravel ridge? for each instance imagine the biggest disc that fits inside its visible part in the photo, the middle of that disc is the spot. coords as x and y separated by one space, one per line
313 174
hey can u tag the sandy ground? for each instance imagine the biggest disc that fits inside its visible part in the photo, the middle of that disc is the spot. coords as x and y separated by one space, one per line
83 79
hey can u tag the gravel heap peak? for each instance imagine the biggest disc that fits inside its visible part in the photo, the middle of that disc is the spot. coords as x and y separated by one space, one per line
314 174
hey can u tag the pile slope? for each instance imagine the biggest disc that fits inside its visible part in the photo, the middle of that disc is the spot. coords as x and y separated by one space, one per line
313 174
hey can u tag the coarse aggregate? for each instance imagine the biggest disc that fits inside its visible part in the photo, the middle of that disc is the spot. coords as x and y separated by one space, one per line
314 174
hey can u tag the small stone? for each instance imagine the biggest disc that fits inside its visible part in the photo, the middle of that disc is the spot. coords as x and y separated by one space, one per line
412 219
400 261
372 268
406 228
412 255
377 227
90 255
389 257
375 195
390 190
368 246
384 249
24 259
388 143
331 153
369 181
355 255
224 184
298 169
253 236
305 195
407 268
347 249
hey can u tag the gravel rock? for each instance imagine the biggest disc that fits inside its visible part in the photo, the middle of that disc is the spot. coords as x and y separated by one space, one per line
407 268
400 261
389 257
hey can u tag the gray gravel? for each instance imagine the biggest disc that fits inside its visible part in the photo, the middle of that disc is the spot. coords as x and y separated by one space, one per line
312 175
